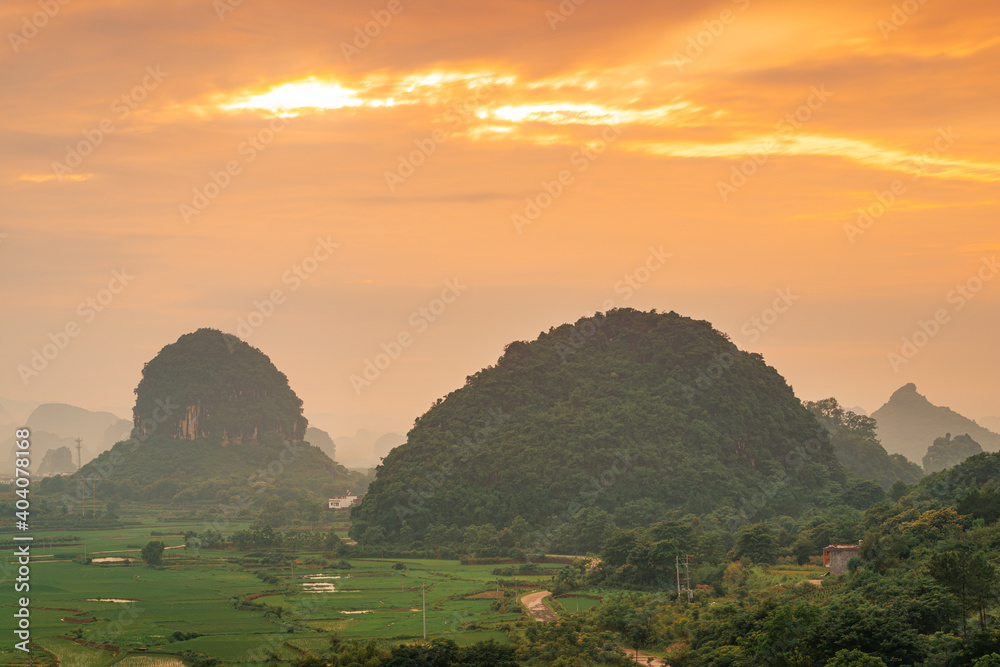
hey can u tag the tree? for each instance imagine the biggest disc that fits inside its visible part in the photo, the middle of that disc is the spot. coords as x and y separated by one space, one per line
971 579
758 543
152 553
981 504
855 658
112 508
488 654
982 584
862 494
898 489
803 549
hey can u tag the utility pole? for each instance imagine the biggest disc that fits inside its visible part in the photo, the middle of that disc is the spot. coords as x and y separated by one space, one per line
687 570
79 464
93 485
423 600
677 568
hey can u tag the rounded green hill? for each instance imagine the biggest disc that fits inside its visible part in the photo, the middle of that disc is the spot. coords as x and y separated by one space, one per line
215 386
628 409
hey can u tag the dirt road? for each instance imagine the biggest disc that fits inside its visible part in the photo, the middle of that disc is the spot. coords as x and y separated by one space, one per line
537 608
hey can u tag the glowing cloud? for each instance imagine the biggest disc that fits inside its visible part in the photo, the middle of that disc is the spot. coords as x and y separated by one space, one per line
291 98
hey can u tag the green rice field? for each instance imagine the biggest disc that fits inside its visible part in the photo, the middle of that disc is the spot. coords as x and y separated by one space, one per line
105 613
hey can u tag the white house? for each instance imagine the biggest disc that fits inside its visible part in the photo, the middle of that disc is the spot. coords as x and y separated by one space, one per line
343 502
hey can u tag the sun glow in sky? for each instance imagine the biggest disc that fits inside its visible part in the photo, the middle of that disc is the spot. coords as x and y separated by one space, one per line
748 151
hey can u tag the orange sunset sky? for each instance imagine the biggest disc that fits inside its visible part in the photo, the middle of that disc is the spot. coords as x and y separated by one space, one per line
219 154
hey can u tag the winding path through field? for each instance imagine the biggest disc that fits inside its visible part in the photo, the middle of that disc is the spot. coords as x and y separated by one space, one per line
537 609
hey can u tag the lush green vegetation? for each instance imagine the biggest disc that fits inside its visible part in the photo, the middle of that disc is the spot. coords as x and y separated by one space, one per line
855 441
192 472
217 603
922 591
627 412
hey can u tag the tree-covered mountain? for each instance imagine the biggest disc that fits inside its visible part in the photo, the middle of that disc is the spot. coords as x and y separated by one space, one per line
908 423
630 412
214 421
214 386
858 449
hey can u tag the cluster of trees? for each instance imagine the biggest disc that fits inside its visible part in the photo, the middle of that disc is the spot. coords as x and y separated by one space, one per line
435 653
262 536
567 644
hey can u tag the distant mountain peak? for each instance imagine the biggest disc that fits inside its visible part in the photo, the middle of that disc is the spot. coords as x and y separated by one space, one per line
908 393
909 423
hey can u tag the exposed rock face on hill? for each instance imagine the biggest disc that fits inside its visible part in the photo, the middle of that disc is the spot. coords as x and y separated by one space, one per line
947 452
618 409
908 424
211 385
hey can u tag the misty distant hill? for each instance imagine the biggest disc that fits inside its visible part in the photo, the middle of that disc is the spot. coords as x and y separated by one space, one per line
57 425
947 452
992 423
42 444
15 412
57 461
908 424
320 438
69 421
366 448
